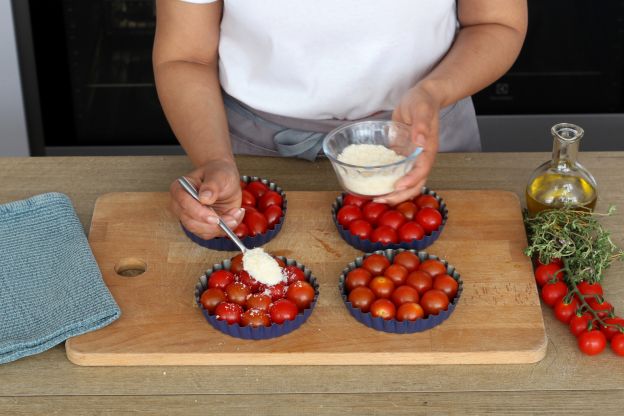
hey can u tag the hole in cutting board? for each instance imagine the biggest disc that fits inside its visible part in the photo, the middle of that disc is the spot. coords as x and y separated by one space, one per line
130 267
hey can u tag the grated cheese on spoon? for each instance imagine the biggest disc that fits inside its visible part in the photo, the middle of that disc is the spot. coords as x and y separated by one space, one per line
262 267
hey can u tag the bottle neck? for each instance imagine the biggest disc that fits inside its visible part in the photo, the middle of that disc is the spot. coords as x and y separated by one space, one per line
566 140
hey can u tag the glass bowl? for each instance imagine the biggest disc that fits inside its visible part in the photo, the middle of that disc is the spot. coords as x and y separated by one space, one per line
374 179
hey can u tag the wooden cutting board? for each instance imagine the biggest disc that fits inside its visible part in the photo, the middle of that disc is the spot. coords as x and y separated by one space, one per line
497 320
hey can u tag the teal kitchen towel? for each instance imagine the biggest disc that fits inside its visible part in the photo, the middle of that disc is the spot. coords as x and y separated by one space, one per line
51 287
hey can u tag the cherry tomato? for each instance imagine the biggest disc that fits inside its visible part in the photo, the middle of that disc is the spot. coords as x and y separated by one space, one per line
384 235
269 198
376 264
617 344
283 310
255 318
257 188
247 198
241 230
357 277
408 209
565 310
427 201
434 301
348 213
381 286
236 264
558 262
548 272
258 301
429 219
249 208
293 274
362 298
420 280
391 218
408 260
580 323
383 308
433 267
256 222
301 293
361 228
243 184
246 279
410 312
396 273
358 201
372 211
589 290
273 213
280 262
220 279
237 293
211 297
411 231
276 291
554 292
592 342
229 312
446 284
611 330
603 309
404 294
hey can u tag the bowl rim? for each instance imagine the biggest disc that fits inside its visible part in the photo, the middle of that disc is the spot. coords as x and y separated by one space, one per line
338 129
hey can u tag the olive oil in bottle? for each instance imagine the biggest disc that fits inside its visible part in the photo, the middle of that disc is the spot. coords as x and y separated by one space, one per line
562 181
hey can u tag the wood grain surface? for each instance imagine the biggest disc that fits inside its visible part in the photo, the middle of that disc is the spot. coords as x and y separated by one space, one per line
498 318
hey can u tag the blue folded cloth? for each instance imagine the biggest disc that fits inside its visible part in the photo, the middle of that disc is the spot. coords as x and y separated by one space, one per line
50 285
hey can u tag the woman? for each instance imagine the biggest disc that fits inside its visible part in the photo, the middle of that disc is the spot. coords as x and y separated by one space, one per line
285 72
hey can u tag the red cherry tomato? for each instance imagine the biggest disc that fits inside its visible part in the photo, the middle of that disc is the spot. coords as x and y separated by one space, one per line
283 310
372 211
408 209
548 272
396 273
611 330
410 312
383 308
258 301
256 222
211 298
273 213
429 218
362 298
434 301
237 293
280 262
249 208
617 344
411 231
446 284
565 310
384 235
246 279
592 342
376 264
243 184
381 286
404 294
358 201
241 230
427 201
276 291
589 290
558 262
361 228
433 267
257 188
579 323
602 308
357 277
269 198
348 213
220 279
420 280
554 292
408 260
229 312
293 274
236 264
255 318
301 293
391 218
247 198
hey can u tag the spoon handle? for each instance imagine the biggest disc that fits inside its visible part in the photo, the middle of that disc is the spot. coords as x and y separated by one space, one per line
190 188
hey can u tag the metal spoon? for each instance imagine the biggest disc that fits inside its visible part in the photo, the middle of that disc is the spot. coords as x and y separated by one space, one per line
190 188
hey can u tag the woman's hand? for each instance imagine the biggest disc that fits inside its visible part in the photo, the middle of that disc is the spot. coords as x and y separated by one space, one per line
419 109
218 183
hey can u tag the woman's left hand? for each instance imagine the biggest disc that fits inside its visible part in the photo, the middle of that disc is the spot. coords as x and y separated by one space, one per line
419 109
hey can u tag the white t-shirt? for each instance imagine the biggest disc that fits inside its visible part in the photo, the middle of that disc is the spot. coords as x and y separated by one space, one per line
320 59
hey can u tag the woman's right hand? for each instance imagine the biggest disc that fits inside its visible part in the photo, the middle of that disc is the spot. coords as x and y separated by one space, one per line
218 184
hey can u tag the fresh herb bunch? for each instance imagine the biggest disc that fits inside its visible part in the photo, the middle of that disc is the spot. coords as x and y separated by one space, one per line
577 238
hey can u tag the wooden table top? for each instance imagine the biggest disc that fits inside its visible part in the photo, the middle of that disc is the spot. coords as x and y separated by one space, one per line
565 381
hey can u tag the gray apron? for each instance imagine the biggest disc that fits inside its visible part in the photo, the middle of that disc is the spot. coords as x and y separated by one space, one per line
255 132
